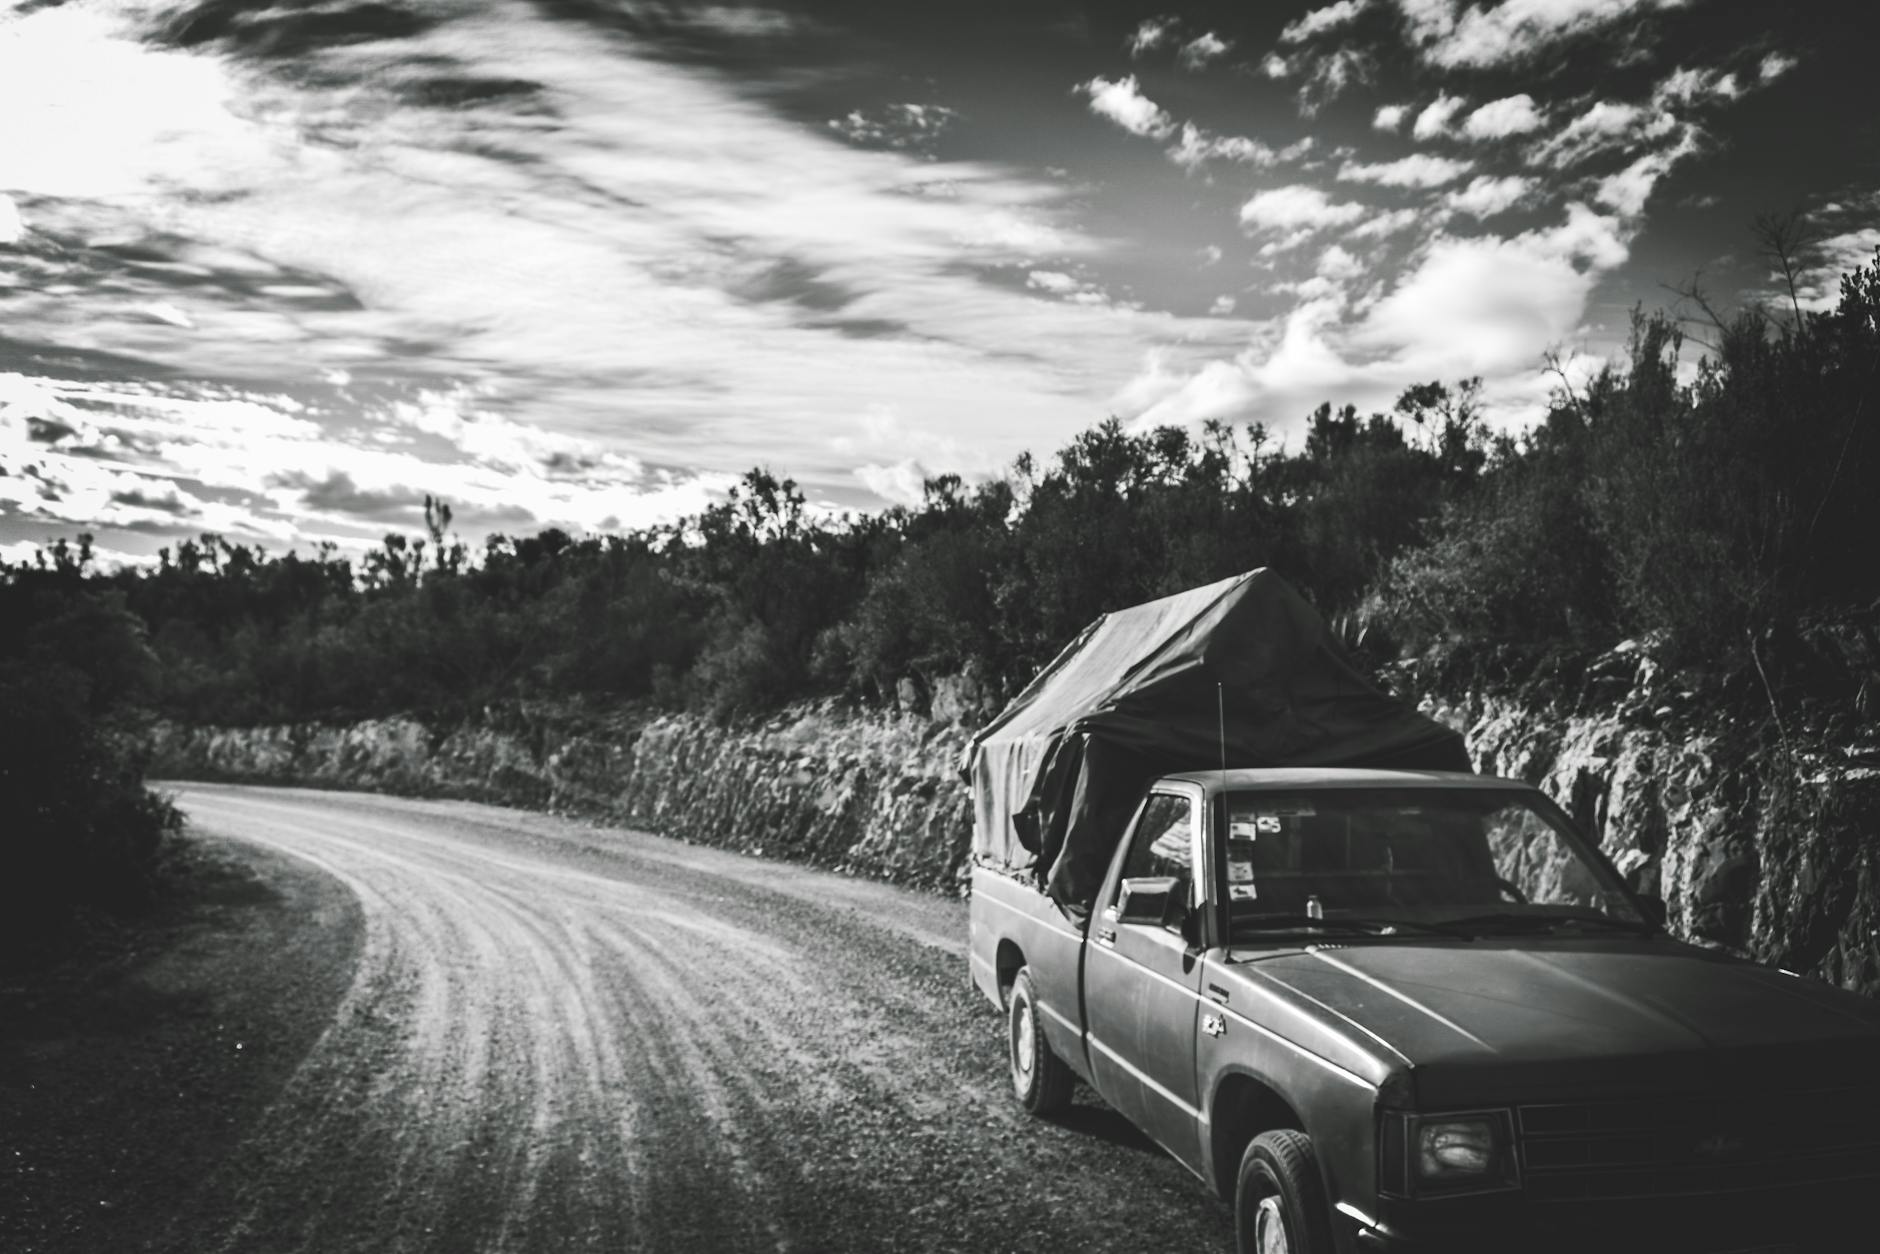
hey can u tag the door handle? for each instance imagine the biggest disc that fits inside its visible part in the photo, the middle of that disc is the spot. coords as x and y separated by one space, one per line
1217 993
1106 936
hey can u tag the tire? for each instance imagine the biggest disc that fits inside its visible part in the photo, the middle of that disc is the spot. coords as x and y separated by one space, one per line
1039 1077
1279 1198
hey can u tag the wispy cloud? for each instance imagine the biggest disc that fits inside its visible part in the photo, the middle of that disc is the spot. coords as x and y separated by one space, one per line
620 249
1152 34
1487 196
1202 49
1319 21
1485 36
1416 170
1327 77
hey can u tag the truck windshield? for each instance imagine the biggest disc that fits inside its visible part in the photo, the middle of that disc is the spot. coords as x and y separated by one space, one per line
1480 860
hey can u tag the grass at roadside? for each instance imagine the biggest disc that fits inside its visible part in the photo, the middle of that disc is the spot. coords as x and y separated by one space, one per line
130 1071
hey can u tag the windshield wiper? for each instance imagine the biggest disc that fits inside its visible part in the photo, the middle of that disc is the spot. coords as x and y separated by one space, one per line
1516 922
1361 926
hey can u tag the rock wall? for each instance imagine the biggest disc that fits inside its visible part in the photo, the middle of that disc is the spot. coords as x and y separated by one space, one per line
1764 844
1774 852
873 794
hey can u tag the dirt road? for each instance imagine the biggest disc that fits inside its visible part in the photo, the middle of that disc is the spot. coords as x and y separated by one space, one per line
561 1037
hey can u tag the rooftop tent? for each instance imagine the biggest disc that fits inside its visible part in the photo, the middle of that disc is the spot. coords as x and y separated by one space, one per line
1057 775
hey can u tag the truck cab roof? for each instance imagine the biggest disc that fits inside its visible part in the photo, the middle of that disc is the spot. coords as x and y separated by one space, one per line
1293 777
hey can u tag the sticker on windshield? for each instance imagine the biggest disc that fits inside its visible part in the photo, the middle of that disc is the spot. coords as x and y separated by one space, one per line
1241 892
1242 828
1240 872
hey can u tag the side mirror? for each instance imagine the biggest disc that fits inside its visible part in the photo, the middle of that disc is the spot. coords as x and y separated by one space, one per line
1153 899
1654 907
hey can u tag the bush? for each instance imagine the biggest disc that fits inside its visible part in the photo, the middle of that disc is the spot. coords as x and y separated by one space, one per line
77 827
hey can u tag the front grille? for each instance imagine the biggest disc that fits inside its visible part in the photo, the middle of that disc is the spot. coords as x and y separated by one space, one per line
1652 1147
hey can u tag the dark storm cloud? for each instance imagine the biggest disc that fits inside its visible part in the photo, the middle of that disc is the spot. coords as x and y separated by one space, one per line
292 29
336 493
156 501
792 282
47 430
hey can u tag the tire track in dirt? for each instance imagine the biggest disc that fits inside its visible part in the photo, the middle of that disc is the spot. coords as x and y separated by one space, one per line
566 1038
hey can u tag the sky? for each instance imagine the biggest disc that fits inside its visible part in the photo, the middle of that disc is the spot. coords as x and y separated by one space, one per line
279 270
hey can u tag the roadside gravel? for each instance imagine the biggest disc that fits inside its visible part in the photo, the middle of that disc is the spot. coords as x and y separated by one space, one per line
136 1069
562 1037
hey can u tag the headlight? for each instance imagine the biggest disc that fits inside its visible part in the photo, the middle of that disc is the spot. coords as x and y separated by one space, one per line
1455 1148
1442 1154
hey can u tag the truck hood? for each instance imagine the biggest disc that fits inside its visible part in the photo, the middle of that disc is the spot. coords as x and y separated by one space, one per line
1488 1020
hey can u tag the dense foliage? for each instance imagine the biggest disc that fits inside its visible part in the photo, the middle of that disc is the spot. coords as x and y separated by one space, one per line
1726 515
77 827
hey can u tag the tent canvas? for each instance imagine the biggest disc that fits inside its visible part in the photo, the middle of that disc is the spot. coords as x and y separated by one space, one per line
1057 775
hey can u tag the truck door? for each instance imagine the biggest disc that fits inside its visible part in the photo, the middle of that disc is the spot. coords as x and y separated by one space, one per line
1142 982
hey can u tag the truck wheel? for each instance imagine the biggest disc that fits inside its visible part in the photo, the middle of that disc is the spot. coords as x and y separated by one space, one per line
1279 1201
1039 1077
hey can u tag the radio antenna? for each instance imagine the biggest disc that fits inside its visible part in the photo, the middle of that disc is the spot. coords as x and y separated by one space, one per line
1220 695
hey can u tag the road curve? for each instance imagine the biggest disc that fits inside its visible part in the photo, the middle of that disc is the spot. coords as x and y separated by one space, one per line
562 1037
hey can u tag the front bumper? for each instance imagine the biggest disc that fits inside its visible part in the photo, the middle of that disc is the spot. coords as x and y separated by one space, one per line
1816 1219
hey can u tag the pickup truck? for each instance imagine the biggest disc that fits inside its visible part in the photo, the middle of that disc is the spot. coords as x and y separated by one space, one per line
1419 1011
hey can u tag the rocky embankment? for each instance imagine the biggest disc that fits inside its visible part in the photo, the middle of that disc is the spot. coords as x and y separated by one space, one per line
870 793
1765 841
1773 851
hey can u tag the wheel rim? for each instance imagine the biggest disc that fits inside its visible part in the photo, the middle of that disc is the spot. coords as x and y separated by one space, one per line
1269 1229
1024 1033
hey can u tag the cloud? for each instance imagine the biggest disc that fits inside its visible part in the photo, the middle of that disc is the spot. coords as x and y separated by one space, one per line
1204 48
1773 66
900 483
1435 118
1122 102
334 492
1068 287
1196 147
262 468
1603 126
12 225
1490 304
1498 119
1389 117
1276 66
741 20
1819 284
1222 306
641 252
1319 21
1331 74
895 126
1688 86
1629 189
1337 265
1152 34
1484 305
1486 196
1488 36
1296 208
1388 223
1416 170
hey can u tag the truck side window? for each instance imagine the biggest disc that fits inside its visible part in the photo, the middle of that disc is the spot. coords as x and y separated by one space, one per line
1163 843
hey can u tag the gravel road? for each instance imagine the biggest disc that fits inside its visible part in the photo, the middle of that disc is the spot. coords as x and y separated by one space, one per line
563 1037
